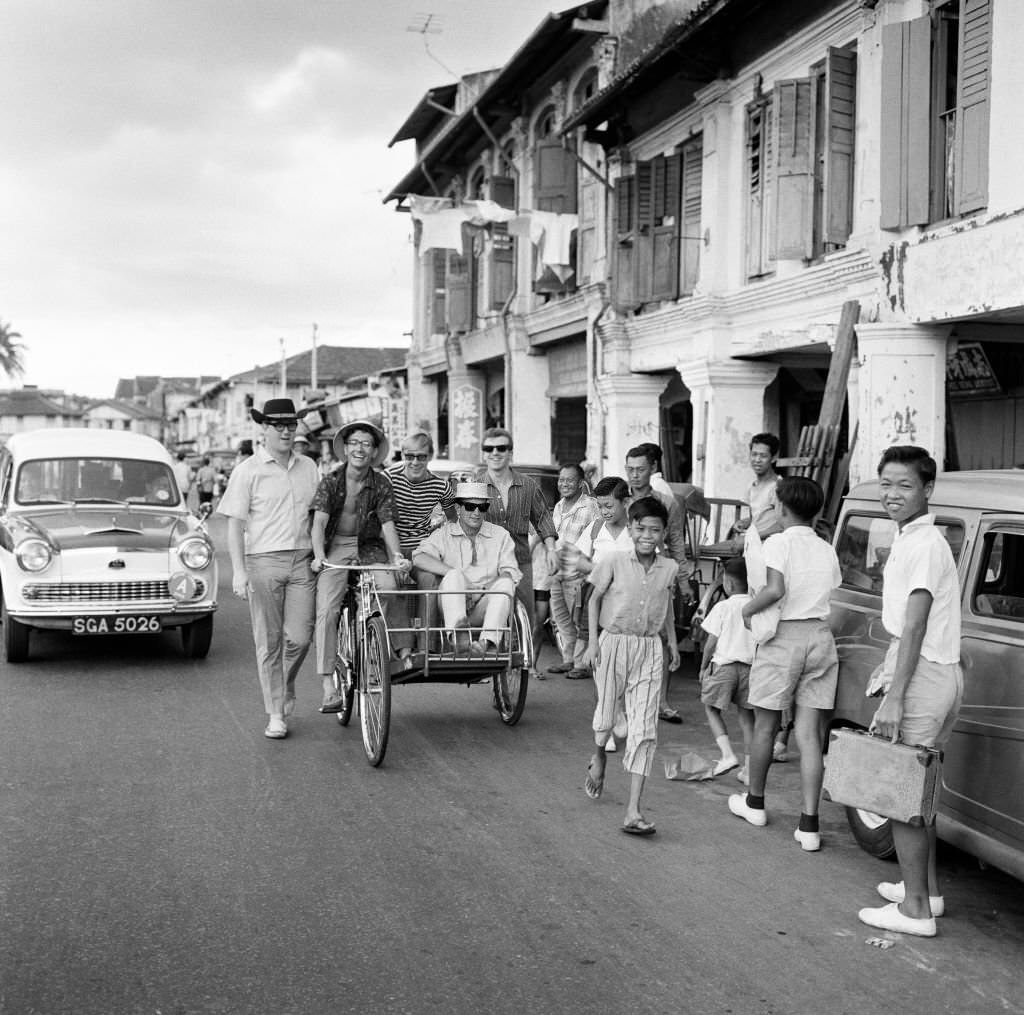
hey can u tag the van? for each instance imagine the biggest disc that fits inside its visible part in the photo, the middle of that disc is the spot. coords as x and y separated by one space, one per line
981 514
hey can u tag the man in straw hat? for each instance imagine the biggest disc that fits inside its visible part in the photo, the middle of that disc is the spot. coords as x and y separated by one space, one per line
472 554
353 520
267 504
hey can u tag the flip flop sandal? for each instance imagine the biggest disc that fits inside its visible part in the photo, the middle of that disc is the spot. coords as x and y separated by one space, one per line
670 715
638 826
593 787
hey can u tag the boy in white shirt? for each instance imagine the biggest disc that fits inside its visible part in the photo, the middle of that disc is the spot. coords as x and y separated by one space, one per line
799 666
725 667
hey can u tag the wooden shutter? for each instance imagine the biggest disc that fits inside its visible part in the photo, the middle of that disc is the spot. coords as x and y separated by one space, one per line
503 247
906 105
793 144
840 126
591 193
555 178
643 269
760 177
692 160
623 255
460 293
435 270
972 104
665 245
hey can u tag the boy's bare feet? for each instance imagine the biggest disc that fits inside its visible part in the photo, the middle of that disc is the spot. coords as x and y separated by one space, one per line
594 783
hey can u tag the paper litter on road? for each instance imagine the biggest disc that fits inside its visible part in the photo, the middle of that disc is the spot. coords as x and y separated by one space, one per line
879 942
690 767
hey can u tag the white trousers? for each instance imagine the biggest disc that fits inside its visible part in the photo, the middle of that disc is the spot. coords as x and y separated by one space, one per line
484 608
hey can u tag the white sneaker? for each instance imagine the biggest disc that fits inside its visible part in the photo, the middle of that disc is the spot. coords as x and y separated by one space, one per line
738 805
890 918
893 891
810 842
277 728
743 775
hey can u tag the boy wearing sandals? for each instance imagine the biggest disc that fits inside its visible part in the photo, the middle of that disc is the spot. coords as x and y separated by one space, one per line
630 614
725 667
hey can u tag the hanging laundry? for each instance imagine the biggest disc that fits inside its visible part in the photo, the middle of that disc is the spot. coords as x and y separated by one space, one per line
558 230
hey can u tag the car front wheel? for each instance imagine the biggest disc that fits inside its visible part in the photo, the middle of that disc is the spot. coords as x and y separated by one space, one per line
872 832
15 637
196 638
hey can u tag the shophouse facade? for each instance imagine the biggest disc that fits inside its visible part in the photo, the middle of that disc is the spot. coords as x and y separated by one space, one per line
751 167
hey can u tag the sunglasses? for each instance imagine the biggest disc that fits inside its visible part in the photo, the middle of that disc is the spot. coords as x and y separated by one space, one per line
473 506
409 456
285 427
490 448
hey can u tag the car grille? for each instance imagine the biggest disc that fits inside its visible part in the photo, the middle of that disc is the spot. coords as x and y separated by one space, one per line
101 592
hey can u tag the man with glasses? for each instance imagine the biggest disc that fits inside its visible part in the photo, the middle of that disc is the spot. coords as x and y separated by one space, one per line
476 562
516 501
267 504
353 521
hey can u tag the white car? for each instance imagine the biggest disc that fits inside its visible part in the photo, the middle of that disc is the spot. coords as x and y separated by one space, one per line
95 539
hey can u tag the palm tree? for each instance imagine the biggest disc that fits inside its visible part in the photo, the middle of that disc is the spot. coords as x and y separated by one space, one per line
10 351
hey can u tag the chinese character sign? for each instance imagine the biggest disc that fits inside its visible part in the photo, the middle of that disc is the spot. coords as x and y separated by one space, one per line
466 409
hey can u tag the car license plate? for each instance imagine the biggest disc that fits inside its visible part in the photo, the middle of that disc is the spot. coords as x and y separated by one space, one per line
116 625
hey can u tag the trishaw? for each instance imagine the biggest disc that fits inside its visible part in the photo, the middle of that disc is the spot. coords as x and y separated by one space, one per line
365 665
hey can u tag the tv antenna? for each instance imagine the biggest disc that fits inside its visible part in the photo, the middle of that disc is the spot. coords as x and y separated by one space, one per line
423 24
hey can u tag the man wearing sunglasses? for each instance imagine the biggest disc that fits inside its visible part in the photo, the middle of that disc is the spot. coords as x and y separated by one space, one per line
516 501
267 504
476 562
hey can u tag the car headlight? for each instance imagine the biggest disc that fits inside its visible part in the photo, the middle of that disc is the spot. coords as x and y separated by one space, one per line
34 555
195 553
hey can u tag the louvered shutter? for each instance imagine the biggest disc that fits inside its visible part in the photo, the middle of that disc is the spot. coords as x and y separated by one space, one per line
840 126
623 255
692 161
906 105
794 160
665 268
643 271
503 250
555 178
591 193
460 293
972 102
436 271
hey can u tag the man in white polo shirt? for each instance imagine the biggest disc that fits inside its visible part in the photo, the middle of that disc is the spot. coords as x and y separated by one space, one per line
267 504
921 676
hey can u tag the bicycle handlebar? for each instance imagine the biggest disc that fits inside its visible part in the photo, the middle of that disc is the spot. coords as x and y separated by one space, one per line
360 567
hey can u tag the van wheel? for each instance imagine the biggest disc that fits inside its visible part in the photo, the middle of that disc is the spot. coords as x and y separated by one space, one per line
872 832
15 637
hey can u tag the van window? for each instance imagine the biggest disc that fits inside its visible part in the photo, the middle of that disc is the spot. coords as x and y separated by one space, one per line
864 543
1000 588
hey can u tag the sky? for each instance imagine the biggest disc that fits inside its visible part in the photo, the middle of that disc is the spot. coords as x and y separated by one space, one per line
184 183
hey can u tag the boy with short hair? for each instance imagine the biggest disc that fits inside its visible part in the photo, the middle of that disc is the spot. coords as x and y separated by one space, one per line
725 667
630 611
799 665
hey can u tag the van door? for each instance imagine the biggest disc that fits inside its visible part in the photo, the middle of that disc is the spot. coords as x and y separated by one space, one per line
984 766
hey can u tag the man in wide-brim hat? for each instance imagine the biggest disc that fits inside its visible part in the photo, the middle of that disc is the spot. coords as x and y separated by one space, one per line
476 562
353 520
267 504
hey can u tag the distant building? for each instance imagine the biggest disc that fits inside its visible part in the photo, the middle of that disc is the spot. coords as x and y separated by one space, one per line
29 408
165 396
118 414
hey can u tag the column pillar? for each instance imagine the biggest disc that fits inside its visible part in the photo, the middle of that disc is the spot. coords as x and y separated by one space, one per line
901 394
728 409
632 415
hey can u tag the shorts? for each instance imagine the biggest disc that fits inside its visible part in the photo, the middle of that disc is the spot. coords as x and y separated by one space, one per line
541 595
205 496
799 664
931 702
724 683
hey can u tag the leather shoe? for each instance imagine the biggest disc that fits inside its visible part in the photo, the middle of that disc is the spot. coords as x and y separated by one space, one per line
560 668
890 918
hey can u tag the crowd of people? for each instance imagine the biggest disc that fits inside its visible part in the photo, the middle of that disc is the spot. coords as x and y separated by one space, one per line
613 562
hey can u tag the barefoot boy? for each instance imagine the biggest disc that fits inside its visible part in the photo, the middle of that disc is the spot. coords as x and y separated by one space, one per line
725 667
799 666
630 612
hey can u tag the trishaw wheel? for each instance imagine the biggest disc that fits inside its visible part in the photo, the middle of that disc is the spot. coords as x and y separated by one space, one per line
375 690
510 685
343 676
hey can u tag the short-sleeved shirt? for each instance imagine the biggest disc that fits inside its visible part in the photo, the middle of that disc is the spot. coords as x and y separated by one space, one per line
526 504
675 533
274 502
762 499
374 506
921 559
635 600
415 503
725 622
597 546
205 478
482 559
810 569
572 520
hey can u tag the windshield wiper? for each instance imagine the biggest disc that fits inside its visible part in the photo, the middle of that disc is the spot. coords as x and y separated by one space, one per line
100 500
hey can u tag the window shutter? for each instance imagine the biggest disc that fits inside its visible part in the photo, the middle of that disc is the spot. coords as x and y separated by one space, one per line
972 103
591 193
643 247
840 127
692 159
794 155
555 178
436 270
665 247
503 246
460 299
625 237
906 108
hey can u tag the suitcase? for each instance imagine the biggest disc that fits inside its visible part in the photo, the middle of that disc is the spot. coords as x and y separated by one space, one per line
874 774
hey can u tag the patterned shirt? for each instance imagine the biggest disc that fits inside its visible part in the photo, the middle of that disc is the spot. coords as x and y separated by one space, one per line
635 600
525 504
573 520
415 503
374 506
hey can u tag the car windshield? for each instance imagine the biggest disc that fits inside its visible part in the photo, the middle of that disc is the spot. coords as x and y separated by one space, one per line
96 481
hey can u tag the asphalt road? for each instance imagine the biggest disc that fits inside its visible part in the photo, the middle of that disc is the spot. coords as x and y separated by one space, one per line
159 855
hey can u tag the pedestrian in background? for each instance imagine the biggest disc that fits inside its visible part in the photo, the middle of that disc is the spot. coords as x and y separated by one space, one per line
658 484
206 479
267 505
183 474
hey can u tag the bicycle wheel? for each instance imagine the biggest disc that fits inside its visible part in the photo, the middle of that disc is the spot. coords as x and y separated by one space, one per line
375 690
344 674
510 685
